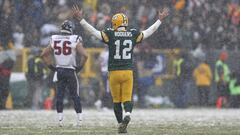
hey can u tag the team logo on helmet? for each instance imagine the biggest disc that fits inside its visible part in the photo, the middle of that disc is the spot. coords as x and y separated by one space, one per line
119 20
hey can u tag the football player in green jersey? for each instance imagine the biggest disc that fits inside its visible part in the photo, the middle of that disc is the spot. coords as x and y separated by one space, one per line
121 42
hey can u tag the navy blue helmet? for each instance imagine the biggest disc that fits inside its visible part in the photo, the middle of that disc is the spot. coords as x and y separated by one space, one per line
67 27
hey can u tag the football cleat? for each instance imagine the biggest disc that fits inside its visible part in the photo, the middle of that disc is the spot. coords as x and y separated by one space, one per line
60 119
79 123
79 119
98 104
120 129
123 126
119 20
60 123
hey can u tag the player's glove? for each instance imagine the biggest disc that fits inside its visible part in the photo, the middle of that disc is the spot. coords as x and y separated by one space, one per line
78 69
52 68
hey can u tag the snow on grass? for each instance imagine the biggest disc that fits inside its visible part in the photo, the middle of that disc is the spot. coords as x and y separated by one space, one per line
144 122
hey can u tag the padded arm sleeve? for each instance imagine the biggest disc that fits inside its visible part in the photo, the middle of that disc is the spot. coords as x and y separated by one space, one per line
91 29
148 32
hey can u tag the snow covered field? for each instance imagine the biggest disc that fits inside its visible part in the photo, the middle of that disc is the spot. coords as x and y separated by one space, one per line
144 122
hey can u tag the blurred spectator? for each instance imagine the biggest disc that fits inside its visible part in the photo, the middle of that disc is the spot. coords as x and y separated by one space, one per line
6 17
18 37
222 78
144 65
35 78
32 37
8 58
30 15
145 14
105 100
187 25
50 99
92 4
183 71
180 4
144 81
136 87
103 16
234 12
46 31
203 77
234 86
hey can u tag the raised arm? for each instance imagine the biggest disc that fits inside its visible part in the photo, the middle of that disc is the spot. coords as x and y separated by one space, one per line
161 15
78 14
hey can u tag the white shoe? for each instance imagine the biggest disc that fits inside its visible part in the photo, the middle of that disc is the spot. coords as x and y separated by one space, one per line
79 123
60 123
79 119
98 104
60 119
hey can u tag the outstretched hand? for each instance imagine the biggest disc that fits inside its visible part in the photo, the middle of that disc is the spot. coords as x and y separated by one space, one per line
163 14
77 13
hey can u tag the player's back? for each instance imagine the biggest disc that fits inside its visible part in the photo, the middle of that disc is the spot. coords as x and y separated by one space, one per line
64 47
121 44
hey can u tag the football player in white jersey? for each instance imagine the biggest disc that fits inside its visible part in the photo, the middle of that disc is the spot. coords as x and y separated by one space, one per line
65 48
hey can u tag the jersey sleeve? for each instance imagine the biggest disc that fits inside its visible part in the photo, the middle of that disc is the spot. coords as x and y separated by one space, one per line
137 35
106 34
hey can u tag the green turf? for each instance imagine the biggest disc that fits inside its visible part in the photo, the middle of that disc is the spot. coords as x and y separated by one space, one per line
144 122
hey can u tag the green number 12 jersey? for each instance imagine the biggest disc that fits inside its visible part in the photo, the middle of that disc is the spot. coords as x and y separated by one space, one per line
121 44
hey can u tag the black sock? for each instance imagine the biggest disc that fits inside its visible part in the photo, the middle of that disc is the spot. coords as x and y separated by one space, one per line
128 106
118 111
59 106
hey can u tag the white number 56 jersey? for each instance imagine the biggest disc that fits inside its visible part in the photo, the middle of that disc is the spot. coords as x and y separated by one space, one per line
64 47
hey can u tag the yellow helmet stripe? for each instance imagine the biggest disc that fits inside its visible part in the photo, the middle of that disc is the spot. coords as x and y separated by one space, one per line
124 19
139 37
